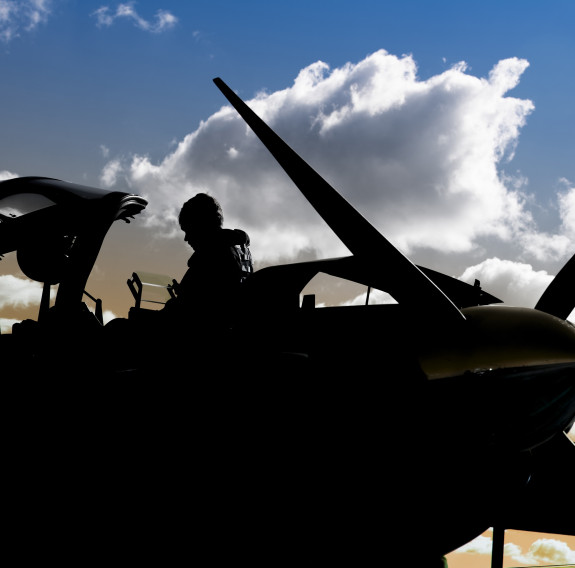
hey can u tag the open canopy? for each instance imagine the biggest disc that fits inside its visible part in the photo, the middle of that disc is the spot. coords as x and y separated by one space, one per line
57 228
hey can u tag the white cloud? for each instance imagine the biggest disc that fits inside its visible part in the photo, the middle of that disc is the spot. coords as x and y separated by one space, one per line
420 157
163 19
542 245
423 160
107 315
6 324
21 15
515 283
567 208
543 551
19 292
375 297
109 174
5 174
23 293
480 545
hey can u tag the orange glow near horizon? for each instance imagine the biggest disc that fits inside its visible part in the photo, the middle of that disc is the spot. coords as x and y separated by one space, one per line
522 549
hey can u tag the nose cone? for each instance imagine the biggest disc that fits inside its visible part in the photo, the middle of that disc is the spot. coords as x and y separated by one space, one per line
500 337
509 380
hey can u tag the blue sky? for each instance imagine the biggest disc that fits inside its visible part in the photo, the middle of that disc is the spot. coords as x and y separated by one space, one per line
449 124
115 94
71 85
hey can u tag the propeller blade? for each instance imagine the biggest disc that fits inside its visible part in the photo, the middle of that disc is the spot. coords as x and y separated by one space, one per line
396 273
559 297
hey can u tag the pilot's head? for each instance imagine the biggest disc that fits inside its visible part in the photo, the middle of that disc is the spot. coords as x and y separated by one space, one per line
199 217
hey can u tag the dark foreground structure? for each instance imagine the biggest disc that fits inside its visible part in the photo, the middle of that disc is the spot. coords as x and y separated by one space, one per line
302 434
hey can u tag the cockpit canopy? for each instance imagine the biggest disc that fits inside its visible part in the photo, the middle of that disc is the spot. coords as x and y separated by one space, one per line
57 228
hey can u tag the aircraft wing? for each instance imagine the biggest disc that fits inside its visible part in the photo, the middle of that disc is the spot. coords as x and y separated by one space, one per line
293 277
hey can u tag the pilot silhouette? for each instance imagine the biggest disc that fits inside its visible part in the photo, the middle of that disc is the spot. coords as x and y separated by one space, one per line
199 317
208 291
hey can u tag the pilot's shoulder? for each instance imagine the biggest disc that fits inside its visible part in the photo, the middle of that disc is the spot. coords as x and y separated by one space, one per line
232 237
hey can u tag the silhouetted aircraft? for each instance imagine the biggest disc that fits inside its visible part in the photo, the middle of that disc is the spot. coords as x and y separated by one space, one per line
458 410
305 434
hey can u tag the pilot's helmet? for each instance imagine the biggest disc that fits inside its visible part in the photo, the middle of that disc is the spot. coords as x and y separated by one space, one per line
203 211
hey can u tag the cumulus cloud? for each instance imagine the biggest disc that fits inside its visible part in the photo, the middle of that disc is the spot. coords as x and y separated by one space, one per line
5 174
423 160
19 292
107 315
17 16
543 245
548 551
6 324
372 297
544 551
419 158
567 208
109 174
480 545
515 283
22 293
162 21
